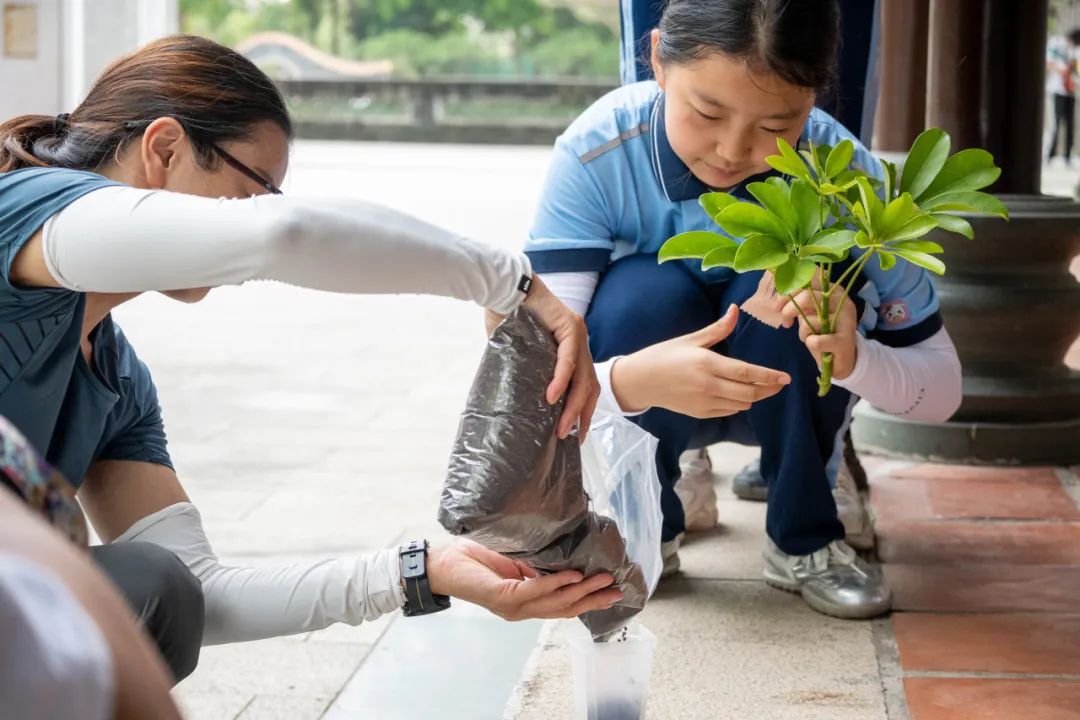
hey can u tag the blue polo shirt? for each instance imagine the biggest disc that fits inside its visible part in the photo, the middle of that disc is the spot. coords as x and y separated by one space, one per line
615 187
72 412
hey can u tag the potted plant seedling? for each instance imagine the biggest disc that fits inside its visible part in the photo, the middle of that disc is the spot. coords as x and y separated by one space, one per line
827 210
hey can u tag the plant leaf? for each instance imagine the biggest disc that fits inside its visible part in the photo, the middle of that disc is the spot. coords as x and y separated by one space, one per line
826 258
923 246
871 203
805 201
925 160
954 224
760 252
970 169
793 164
833 241
896 214
891 185
793 275
720 257
923 260
743 219
778 203
715 202
862 239
916 227
839 158
972 202
886 259
694 245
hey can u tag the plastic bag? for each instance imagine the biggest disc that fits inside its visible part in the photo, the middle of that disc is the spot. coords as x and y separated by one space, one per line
513 486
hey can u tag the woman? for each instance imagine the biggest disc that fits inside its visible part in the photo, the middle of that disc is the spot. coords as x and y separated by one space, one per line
166 179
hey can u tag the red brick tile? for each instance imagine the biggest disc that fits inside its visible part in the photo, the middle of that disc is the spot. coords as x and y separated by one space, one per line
963 541
985 588
983 699
937 499
975 472
1046 644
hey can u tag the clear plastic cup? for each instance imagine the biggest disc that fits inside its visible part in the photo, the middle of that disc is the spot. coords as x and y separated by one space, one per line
611 679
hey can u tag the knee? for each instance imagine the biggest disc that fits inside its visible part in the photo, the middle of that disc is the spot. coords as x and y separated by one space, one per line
639 303
169 601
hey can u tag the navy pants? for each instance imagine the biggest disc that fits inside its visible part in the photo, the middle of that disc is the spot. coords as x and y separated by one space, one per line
639 303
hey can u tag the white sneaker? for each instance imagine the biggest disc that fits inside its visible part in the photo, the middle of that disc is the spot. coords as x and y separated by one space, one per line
858 531
697 490
669 553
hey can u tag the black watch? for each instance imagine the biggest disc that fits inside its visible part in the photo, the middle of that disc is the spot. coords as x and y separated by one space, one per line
419 599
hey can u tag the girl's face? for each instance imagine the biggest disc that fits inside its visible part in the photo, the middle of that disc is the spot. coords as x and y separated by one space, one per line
723 119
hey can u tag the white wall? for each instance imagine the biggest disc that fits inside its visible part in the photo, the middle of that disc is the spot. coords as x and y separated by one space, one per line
33 85
77 40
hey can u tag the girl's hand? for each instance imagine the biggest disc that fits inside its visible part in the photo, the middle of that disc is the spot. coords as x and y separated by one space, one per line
574 366
511 589
686 376
840 342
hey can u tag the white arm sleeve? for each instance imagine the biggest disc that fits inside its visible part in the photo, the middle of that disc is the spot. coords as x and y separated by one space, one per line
244 603
575 289
921 382
54 661
122 239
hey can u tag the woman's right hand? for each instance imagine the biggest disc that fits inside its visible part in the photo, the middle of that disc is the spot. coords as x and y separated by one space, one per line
686 376
511 589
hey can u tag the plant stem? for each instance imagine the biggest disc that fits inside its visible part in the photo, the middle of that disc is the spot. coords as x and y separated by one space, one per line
801 313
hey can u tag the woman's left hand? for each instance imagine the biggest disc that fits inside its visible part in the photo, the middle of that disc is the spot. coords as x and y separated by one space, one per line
840 342
574 365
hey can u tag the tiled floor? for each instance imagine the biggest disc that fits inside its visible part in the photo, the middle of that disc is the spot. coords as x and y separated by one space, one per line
985 564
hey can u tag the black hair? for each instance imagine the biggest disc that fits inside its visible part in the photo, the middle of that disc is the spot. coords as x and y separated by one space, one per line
794 39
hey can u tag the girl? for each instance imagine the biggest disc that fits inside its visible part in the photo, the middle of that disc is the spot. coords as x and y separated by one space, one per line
129 194
731 77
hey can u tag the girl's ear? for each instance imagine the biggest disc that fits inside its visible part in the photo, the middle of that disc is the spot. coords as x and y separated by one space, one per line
654 58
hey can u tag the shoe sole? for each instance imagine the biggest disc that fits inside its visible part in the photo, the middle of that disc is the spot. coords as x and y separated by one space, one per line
751 492
841 613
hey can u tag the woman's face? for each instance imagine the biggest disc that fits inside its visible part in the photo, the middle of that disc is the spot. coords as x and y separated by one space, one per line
266 153
723 119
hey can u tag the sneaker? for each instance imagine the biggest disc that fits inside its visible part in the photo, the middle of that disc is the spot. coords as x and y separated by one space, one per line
748 484
850 507
832 580
669 553
697 490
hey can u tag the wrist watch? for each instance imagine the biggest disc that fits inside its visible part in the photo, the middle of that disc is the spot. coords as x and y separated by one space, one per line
419 599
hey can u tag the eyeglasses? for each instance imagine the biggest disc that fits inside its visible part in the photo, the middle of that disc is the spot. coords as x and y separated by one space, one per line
246 171
229 160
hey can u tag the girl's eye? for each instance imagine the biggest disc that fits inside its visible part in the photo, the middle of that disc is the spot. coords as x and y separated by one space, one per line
775 131
707 117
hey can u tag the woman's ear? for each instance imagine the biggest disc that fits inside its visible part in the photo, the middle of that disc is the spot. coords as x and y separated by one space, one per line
654 58
163 144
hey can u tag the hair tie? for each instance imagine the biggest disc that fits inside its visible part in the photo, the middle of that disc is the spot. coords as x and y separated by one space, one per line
60 123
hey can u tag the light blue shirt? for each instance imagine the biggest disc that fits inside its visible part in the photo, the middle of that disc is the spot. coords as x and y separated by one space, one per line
616 187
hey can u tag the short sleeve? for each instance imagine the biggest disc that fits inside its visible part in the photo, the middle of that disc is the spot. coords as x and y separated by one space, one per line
135 430
572 230
28 198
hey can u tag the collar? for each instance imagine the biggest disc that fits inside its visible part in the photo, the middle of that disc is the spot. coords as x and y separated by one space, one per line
675 178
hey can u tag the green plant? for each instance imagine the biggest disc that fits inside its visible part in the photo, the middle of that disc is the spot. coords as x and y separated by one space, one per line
828 210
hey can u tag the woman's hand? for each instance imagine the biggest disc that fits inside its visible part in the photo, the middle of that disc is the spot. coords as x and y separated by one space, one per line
511 589
686 376
840 342
574 366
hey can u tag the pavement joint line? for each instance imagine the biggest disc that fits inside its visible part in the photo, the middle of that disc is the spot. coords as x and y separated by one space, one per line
516 704
886 524
975 675
249 703
889 670
1070 482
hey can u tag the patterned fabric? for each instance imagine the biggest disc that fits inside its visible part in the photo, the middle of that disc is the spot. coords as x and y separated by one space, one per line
42 488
